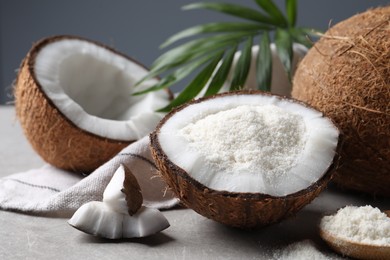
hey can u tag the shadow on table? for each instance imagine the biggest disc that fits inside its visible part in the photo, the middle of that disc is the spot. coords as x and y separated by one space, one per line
152 241
300 227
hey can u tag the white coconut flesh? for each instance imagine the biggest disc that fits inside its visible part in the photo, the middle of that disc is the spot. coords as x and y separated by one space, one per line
110 218
250 143
98 219
93 86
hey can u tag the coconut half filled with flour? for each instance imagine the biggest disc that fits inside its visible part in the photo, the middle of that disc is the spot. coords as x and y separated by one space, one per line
74 101
245 159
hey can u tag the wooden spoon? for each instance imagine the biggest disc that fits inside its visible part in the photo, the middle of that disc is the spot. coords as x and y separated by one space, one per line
355 249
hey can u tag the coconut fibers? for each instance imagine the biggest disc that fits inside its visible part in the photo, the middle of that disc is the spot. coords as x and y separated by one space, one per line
248 138
366 225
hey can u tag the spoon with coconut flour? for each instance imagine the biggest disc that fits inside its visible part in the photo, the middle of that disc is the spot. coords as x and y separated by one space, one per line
120 214
358 232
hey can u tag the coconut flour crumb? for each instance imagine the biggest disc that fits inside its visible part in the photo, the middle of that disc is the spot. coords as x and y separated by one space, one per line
249 138
303 250
359 224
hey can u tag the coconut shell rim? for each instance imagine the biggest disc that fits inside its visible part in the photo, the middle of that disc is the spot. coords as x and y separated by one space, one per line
30 59
177 170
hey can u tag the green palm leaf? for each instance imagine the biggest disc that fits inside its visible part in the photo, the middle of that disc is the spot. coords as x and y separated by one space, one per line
195 86
304 35
215 28
284 49
234 10
211 55
264 64
242 67
221 75
291 10
273 11
195 48
178 74
190 51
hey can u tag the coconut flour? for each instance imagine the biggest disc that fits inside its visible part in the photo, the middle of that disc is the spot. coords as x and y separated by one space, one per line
250 138
359 224
302 250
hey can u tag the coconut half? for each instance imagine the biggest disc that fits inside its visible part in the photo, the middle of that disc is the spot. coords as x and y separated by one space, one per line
74 101
246 158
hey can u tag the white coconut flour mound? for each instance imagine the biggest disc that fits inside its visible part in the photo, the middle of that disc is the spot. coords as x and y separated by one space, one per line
360 224
303 250
248 138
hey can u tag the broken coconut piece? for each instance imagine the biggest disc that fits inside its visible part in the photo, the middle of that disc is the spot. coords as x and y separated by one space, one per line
112 218
246 158
73 98
126 200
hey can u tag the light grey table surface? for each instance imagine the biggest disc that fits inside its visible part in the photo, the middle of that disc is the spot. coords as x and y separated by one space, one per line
190 235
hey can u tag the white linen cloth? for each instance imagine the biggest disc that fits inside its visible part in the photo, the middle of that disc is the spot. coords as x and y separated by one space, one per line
53 192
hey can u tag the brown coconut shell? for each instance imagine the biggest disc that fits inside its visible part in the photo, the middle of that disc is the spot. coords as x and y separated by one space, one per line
346 75
132 190
242 210
52 135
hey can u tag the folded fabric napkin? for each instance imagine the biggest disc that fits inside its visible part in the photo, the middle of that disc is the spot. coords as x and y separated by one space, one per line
53 192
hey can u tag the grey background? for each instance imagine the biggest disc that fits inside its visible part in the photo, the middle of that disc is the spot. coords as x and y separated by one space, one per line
134 27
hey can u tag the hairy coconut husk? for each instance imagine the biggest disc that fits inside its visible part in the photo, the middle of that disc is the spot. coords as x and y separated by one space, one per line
346 75
52 135
242 210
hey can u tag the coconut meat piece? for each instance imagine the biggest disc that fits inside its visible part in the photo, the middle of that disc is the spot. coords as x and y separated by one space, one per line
250 143
113 196
92 86
110 218
98 219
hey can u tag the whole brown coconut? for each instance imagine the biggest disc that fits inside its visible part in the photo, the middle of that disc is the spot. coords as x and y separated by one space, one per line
346 75
57 138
